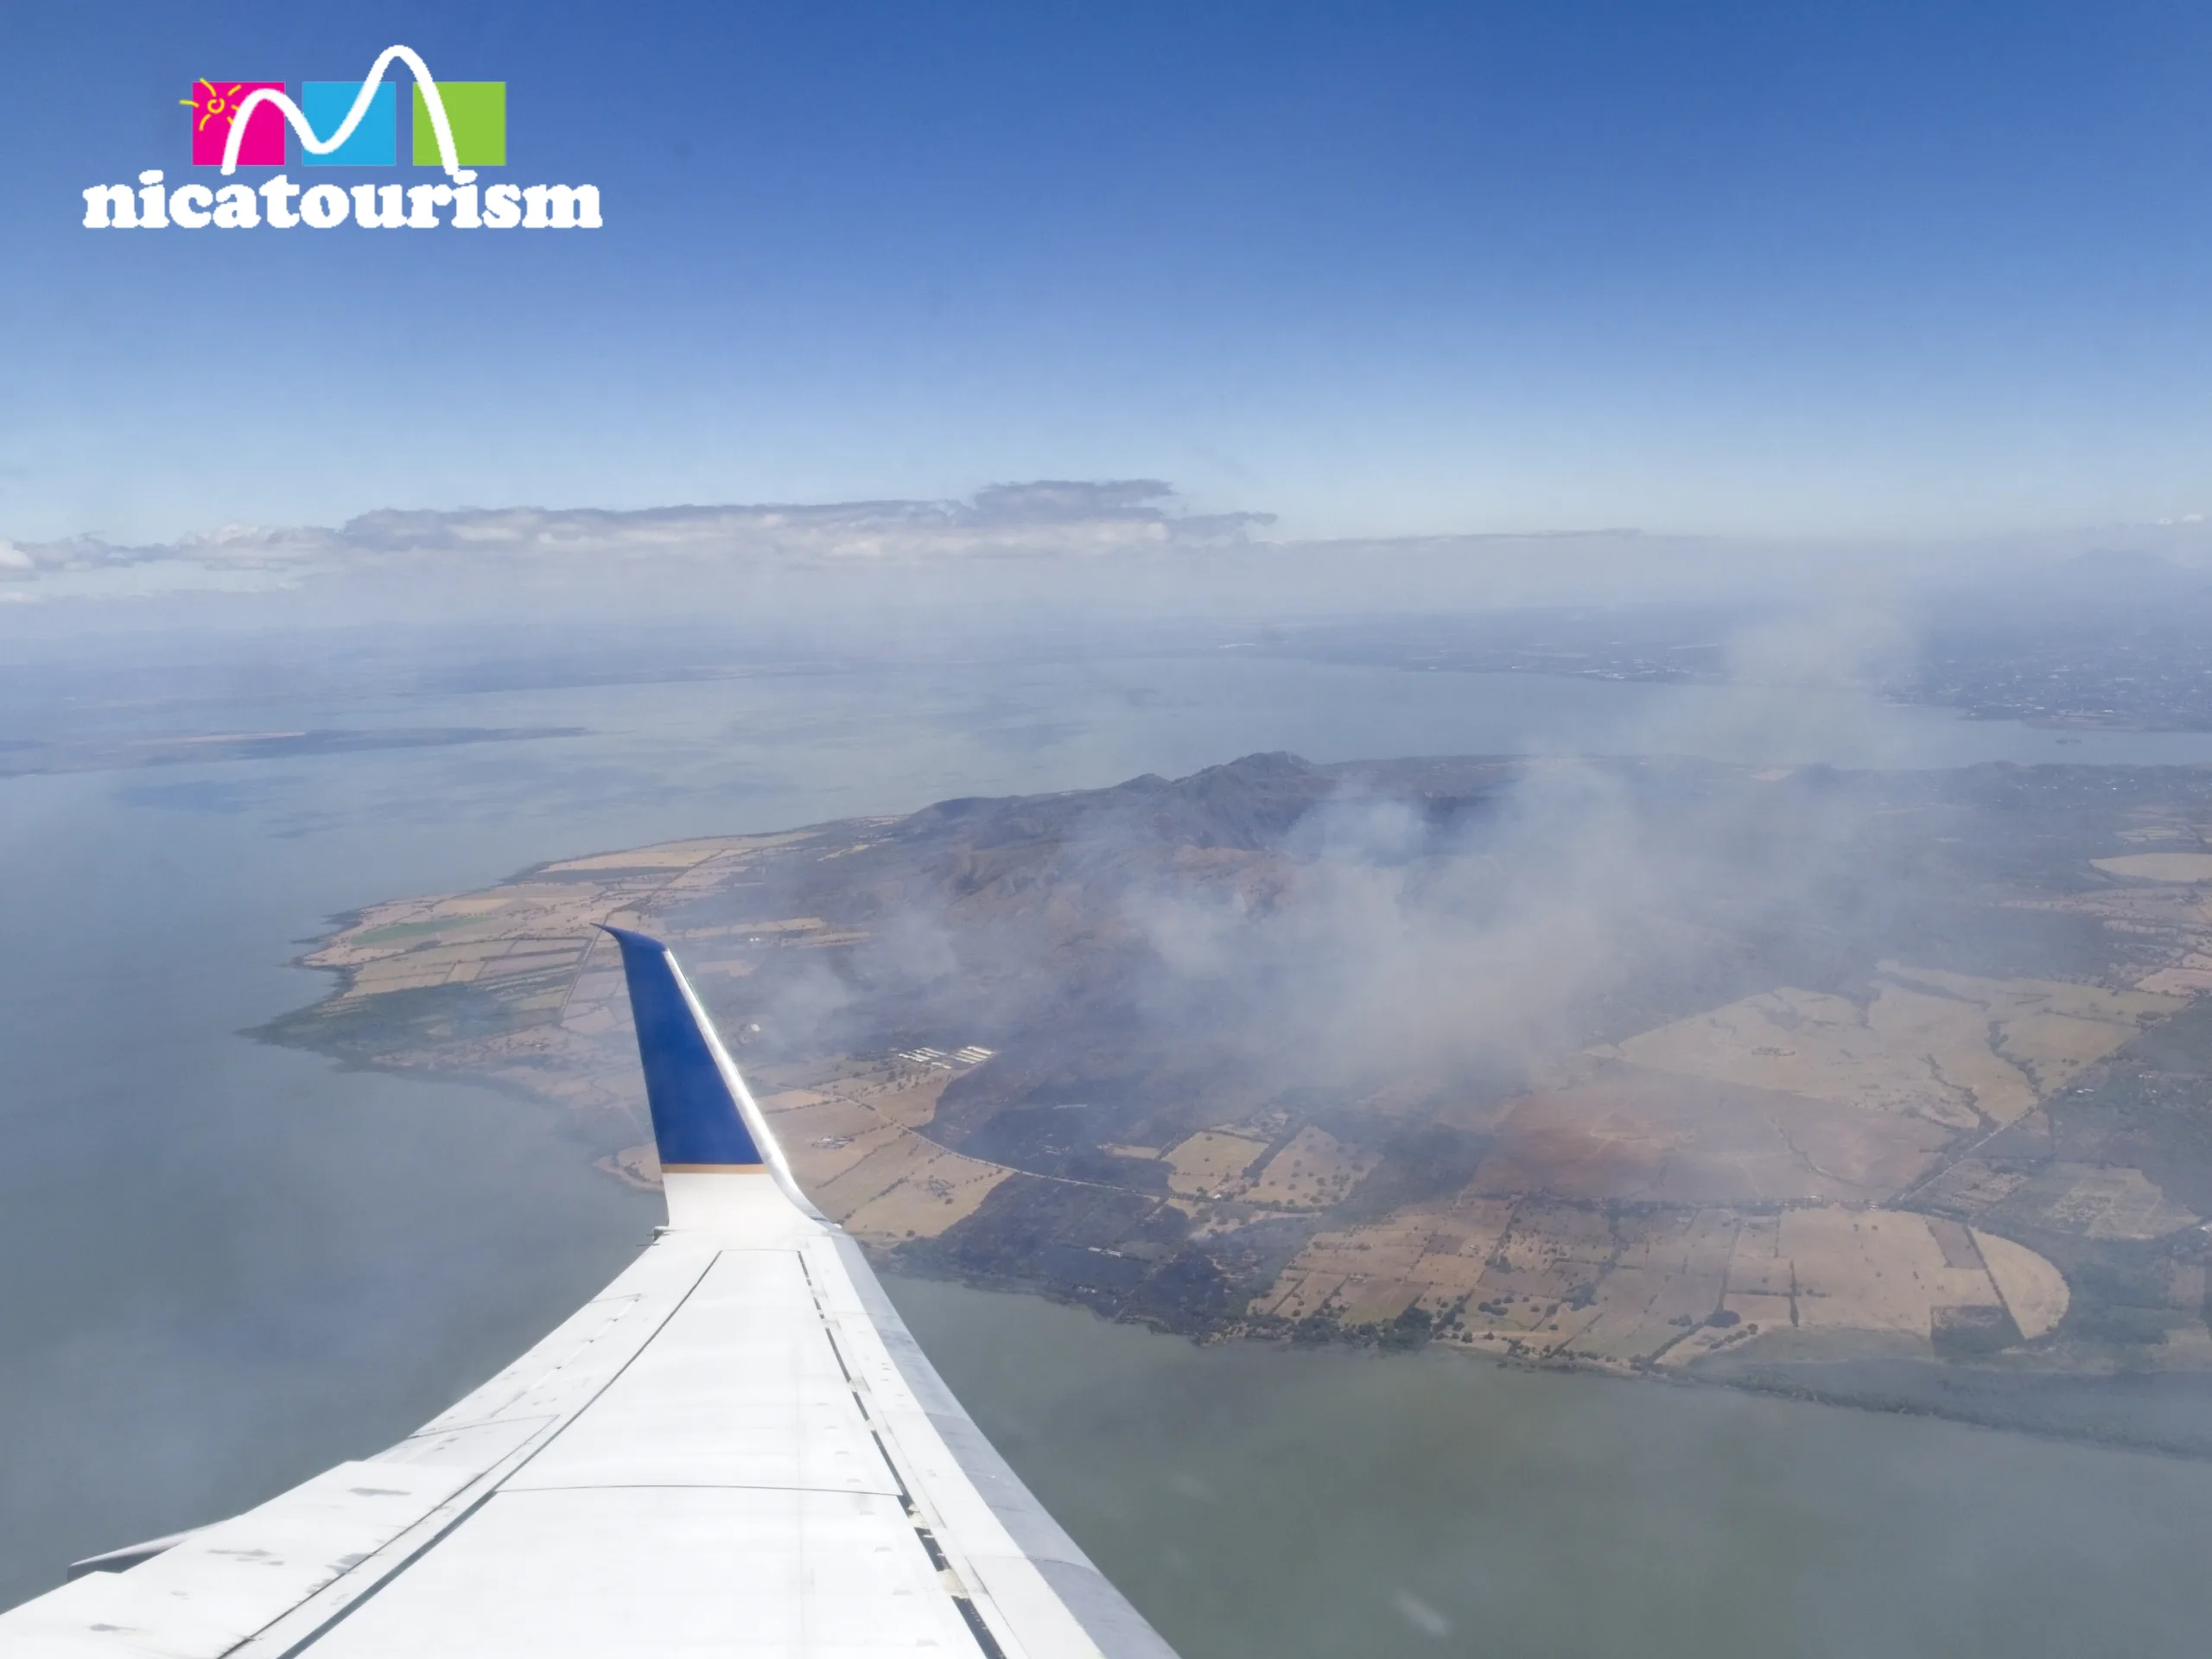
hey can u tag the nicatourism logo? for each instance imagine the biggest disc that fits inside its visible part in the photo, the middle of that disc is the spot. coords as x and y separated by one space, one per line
458 125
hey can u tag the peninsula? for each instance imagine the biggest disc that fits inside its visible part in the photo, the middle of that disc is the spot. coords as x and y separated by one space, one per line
1887 1088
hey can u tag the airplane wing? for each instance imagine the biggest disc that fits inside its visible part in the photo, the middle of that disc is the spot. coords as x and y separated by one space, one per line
736 1448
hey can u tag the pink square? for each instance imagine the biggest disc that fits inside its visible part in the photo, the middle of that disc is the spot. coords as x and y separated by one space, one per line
215 103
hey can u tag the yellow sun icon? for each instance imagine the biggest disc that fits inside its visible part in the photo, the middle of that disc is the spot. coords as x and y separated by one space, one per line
213 103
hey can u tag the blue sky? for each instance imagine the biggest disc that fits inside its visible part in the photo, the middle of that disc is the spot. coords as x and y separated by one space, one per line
1805 269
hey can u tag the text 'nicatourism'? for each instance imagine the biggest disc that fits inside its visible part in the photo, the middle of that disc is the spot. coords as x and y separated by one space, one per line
458 125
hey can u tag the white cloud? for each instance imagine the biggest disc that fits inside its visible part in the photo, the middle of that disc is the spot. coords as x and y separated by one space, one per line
1047 520
1089 548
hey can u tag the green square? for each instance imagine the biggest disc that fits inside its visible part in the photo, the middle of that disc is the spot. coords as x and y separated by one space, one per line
478 112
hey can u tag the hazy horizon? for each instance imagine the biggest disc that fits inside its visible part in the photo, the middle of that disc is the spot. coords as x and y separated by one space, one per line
1008 558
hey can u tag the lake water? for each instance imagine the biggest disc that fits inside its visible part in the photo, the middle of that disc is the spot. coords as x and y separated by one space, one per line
1269 1501
224 1267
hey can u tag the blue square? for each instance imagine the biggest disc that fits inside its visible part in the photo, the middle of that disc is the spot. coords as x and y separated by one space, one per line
375 142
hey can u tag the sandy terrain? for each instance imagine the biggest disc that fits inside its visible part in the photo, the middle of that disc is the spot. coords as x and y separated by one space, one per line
1669 1288
1210 1161
1632 1133
1434 1256
1922 1046
2034 1290
1314 1172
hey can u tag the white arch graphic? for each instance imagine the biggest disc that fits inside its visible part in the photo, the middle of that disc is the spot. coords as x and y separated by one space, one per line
439 125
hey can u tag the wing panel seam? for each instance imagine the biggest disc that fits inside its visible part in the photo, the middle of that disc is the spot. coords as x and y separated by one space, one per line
949 1578
497 1480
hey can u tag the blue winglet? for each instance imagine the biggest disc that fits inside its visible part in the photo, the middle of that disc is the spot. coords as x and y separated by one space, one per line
696 1123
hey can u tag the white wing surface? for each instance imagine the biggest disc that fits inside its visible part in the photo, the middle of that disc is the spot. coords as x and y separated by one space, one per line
735 1449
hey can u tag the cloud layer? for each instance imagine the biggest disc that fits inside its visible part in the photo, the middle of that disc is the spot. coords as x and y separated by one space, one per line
1048 519
1082 550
